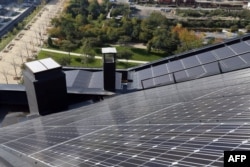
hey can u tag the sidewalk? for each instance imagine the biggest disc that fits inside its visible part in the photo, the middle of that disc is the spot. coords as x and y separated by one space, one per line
27 43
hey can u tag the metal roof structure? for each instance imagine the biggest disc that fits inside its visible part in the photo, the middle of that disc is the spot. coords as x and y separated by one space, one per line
211 60
42 65
176 125
88 80
185 124
109 50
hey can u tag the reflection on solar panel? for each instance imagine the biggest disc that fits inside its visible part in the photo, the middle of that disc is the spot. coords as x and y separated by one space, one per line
187 124
205 62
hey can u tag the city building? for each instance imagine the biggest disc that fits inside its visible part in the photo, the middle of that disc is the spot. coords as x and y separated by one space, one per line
183 110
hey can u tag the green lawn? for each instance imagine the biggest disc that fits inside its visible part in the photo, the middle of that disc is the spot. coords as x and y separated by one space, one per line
138 53
142 54
76 61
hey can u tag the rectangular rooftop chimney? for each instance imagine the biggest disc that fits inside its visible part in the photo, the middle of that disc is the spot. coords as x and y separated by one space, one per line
45 86
109 66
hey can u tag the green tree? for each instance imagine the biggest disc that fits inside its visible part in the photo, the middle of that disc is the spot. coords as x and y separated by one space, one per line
50 42
79 19
125 54
64 61
67 46
248 28
124 39
94 9
234 28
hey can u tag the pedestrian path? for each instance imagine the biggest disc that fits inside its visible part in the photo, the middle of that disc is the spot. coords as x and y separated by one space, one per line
97 57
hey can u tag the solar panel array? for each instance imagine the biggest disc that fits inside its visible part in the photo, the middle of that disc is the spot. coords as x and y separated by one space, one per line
74 78
215 61
186 124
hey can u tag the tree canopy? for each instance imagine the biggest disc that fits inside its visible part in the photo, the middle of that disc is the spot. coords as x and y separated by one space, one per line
84 24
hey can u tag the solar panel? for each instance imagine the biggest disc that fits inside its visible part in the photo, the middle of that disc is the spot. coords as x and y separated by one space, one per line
246 57
211 69
166 79
145 74
233 64
240 47
206 57
160 70
223 53
247 41
175 66
190 62
196 72
181 76
186 124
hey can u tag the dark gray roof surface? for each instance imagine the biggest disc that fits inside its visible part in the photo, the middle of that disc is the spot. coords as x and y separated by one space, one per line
216 59
12 87
86 79
187 124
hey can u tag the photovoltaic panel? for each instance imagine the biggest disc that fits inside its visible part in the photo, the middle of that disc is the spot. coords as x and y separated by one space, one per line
175 66
246 57
206 57
240 47
145 73
196 72
211 69
190 62
166 79
160 70
223 53
219 54
187 124
148 145
233 63
181 76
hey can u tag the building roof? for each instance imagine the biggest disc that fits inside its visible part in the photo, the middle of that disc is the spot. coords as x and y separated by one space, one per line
187 123
109 50
230 55
42 65
87 79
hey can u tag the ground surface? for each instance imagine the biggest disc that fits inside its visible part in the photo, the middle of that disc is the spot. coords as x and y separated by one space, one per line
27 43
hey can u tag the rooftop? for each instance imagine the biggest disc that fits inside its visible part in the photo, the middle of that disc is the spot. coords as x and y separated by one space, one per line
187 123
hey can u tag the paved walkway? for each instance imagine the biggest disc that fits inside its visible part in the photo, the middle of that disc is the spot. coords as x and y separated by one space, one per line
27 43
97 57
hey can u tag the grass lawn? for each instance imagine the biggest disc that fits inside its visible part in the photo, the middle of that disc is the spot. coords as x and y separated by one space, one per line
138 53
142 54
76 61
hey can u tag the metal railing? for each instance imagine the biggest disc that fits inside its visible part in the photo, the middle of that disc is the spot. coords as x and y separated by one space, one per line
188 78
